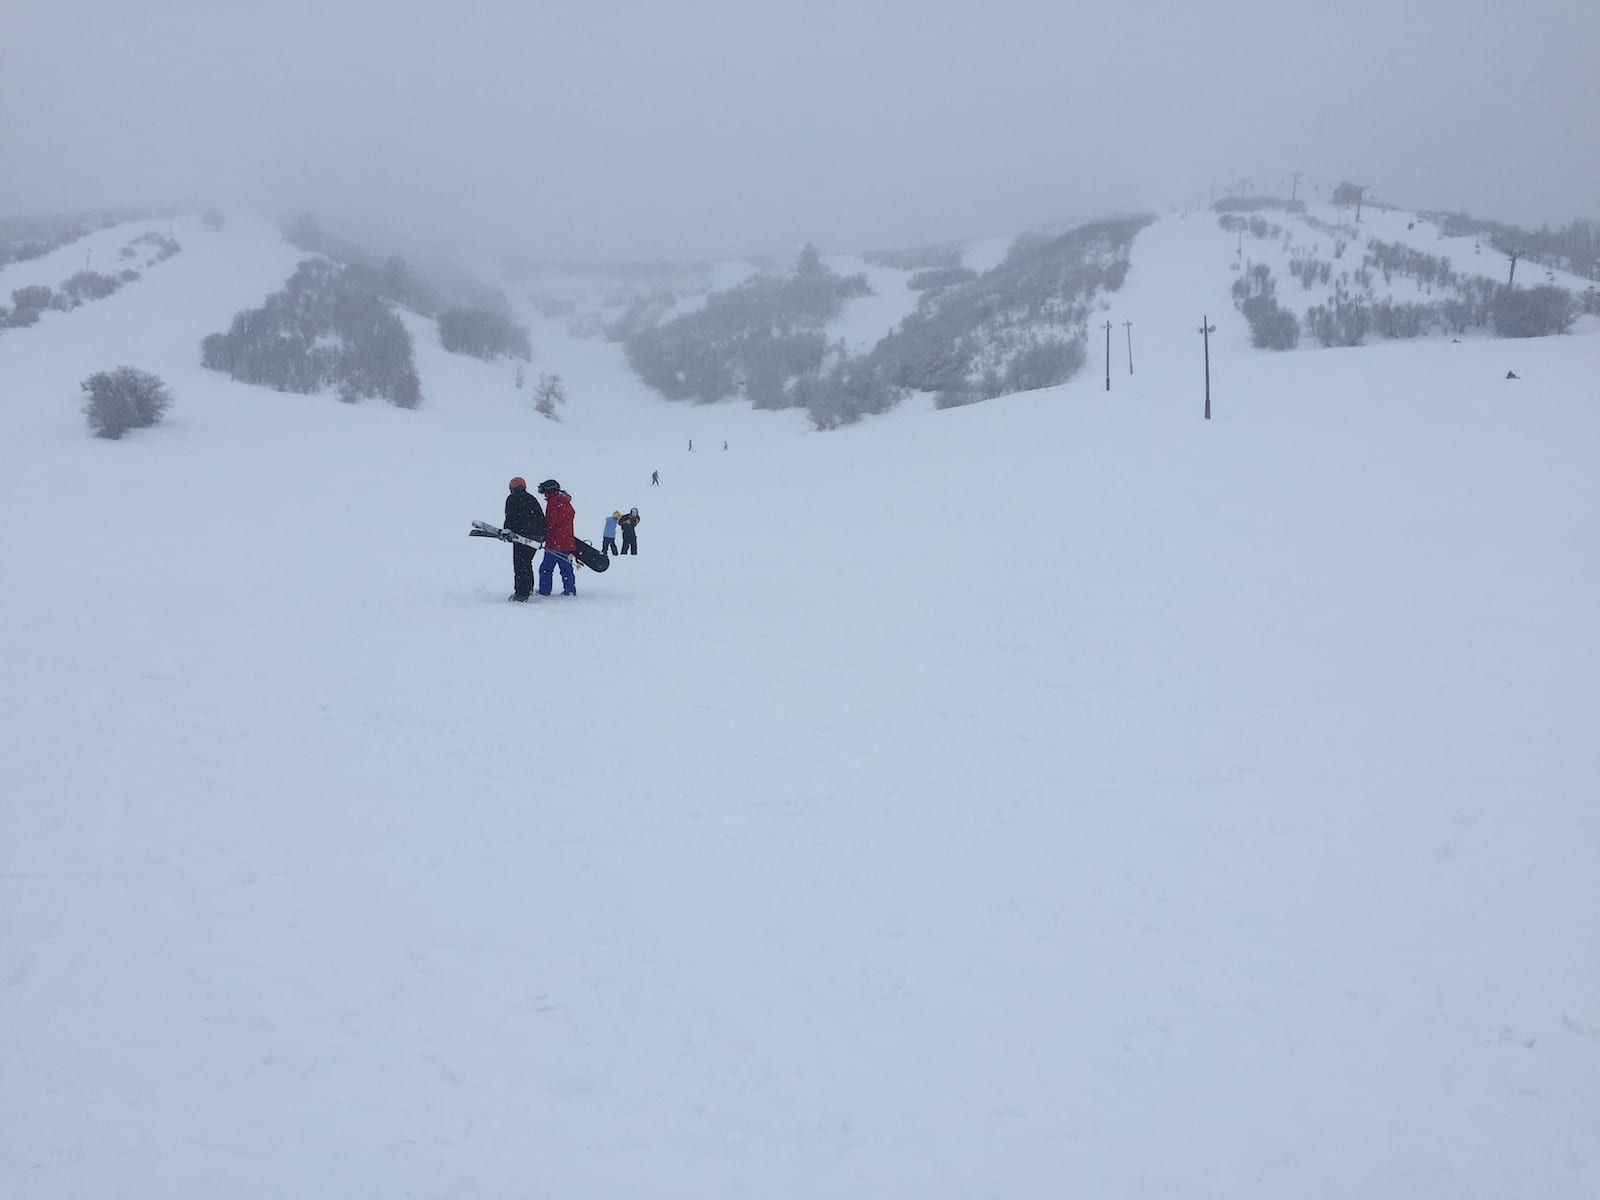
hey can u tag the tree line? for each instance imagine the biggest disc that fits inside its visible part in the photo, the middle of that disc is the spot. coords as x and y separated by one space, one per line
326 328
1017 326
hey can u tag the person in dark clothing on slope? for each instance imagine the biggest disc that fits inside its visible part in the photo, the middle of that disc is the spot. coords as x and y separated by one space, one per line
559 539
524 516
630 535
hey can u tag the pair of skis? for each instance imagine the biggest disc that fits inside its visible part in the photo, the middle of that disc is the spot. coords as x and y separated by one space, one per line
582 554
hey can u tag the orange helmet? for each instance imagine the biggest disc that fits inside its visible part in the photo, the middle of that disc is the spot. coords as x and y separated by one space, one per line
517 481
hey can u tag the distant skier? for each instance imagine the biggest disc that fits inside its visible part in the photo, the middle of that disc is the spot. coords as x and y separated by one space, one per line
630 535
691 445
524 516
559 539
608 540
724 445
655 478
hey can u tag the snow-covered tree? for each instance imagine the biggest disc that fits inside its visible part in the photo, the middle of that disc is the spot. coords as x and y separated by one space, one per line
123 399
548 393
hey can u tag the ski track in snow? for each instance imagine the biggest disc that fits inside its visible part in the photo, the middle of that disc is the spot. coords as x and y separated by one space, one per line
1061 795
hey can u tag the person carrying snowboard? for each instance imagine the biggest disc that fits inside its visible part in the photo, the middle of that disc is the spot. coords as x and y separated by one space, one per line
524 516
630 535
608 538
559 539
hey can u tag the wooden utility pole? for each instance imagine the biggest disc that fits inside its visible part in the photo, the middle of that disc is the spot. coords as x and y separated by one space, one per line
1515 254
1108 356
1206 330
1128 325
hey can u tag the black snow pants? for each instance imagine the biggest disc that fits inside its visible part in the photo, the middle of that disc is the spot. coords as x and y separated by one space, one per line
522 568
609 545
630 542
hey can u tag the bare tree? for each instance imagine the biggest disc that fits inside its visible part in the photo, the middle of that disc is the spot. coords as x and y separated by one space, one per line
548 393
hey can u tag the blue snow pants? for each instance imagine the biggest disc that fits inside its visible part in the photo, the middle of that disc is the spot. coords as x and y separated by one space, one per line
547 565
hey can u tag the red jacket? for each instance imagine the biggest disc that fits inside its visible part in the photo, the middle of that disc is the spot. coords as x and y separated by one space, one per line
558 533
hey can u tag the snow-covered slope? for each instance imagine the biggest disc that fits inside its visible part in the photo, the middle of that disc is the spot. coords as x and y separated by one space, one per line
1062 795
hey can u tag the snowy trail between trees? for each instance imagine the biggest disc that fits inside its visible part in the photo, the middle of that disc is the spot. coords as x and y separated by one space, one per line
1057 795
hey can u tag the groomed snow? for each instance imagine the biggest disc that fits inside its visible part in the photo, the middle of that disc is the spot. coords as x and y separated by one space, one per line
1058 796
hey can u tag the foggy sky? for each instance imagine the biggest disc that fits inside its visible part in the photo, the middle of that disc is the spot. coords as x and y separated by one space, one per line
675 129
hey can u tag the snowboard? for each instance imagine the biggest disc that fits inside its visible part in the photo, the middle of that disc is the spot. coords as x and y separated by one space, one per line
583 554
588 556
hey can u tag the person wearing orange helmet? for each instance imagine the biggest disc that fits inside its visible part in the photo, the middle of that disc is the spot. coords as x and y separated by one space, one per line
524 516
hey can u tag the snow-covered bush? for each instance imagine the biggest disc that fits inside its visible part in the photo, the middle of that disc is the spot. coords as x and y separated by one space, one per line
548 393
325 329
1042 365
160 247
36 297
1343 322
482 333
86 286
123 399
1272 327
1256 227
1403 318
764 334
1532 312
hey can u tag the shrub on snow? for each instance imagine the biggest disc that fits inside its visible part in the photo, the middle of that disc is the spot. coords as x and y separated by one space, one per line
37 297
123 399
1532 312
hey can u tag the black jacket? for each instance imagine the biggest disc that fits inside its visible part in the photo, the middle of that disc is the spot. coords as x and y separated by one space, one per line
523 515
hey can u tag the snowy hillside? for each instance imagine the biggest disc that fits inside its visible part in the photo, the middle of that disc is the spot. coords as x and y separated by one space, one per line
1062 795
852 336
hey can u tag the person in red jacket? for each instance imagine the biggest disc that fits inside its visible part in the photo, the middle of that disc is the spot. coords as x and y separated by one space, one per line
559 539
